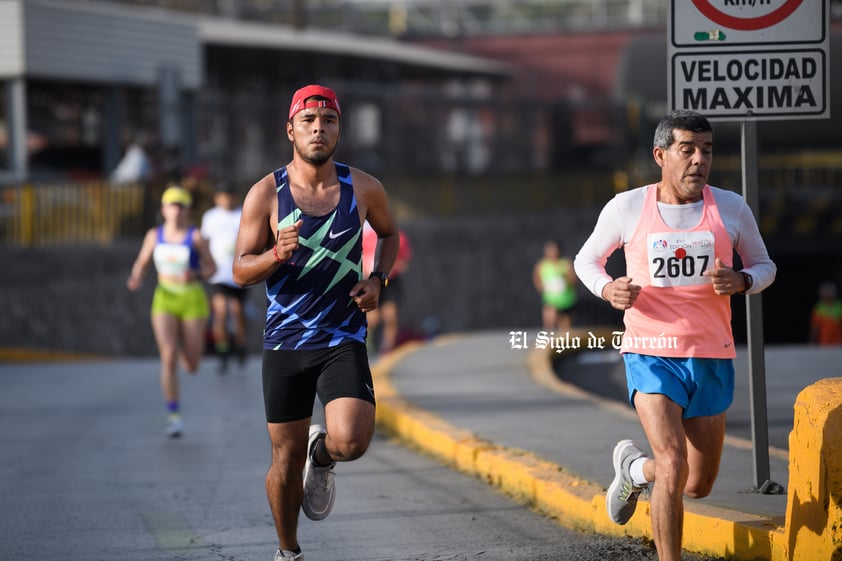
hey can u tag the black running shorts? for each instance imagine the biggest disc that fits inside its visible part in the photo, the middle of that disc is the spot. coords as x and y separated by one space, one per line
291 379
228 291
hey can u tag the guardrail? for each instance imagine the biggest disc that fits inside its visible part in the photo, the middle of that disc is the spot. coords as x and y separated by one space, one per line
70 213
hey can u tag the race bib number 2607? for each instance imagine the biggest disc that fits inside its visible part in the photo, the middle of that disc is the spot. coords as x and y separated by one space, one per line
679 258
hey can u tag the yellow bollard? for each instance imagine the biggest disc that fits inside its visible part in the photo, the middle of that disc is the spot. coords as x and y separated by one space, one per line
814 503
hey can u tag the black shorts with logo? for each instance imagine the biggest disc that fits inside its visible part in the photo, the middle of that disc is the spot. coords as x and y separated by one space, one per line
292 379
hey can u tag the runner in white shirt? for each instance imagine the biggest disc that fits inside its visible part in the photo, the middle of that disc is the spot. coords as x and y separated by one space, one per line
220 225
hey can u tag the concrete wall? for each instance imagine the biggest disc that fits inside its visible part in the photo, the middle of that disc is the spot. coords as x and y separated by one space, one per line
467 274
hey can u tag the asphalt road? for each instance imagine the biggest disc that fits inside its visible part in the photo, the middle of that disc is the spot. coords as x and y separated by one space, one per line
86 474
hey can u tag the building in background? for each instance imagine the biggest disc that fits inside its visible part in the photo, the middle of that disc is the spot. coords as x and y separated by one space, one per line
81 81
472 88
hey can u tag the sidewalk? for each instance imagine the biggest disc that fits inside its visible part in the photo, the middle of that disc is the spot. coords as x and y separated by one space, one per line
504 415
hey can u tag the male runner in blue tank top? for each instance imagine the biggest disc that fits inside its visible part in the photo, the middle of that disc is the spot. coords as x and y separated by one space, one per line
301 233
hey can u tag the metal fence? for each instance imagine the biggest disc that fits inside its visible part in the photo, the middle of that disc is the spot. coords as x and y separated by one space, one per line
412 132
800 199
70 213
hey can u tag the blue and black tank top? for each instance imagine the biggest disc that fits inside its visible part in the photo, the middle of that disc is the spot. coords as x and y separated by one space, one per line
309 304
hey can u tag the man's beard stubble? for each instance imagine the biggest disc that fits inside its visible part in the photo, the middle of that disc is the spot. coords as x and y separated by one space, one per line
316 158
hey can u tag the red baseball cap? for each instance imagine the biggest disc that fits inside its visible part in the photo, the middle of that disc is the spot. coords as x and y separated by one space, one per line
301 96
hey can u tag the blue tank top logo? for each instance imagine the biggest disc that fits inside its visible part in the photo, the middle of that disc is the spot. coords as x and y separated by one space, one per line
309 304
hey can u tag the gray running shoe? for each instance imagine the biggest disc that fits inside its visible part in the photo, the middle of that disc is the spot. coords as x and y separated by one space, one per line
174 425
621 498
280 556
319 487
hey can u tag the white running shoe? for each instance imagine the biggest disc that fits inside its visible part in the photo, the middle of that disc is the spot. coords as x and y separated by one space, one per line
174 425
280 555
319 487
621 498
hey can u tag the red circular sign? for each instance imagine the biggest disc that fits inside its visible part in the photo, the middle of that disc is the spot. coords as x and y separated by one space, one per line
747 24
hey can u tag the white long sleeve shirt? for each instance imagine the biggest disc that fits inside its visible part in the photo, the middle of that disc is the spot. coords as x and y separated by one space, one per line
619 218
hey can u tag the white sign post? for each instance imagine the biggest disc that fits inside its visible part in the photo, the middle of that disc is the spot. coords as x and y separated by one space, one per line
751 60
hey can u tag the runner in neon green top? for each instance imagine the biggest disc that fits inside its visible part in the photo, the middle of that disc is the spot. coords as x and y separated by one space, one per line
555 281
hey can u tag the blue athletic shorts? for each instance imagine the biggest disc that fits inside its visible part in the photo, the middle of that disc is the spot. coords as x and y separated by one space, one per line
701 386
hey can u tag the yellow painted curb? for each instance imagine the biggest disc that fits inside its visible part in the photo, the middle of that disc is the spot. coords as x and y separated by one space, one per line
41 355
552 490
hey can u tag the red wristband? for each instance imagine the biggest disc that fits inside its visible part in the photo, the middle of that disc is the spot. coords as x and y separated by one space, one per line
275 253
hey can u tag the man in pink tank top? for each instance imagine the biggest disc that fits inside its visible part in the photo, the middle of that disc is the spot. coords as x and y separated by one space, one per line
679 236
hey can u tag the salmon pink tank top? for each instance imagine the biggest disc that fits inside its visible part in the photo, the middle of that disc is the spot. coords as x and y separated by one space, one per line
677 313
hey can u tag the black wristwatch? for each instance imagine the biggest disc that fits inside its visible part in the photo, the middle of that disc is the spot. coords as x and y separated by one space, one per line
384 278
749 282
